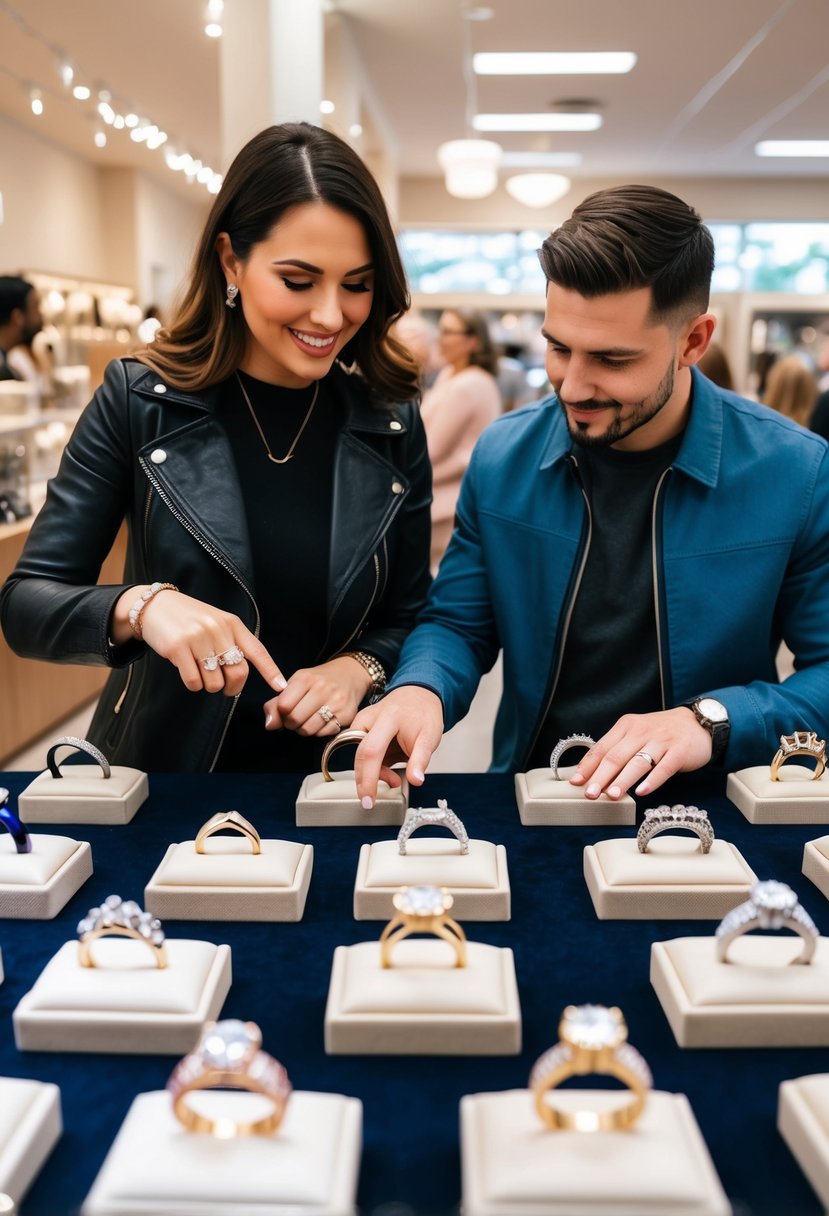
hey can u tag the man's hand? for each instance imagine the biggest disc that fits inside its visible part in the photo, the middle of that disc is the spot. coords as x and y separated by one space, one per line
673 739
406 725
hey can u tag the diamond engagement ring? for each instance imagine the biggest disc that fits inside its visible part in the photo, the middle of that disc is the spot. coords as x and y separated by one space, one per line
235 822
441 816
327 714
771 905
592 1039
231 657
118 917
564 745
422 910
229 1055
801 743
673 818
13 825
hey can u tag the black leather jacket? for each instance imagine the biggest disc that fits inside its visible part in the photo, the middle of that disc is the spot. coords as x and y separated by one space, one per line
158 457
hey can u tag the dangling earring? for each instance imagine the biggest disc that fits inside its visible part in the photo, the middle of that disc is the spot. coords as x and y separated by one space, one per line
231 294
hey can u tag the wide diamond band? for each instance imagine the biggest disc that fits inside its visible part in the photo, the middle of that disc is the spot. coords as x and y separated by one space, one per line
118 917
232 821
82 745
593 1039
801 743
440 816
564 745
229 1055
422 910
772 905
673 819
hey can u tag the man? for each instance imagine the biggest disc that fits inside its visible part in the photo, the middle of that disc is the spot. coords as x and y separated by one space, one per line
638 544
20 319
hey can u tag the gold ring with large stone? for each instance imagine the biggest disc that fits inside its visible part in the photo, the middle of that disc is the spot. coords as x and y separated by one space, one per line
422 910
801 743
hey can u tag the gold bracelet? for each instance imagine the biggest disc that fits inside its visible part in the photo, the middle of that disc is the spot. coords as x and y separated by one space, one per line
142 602
373 666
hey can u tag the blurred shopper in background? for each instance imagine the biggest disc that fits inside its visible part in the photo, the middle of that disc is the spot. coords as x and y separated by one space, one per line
791 389
714 364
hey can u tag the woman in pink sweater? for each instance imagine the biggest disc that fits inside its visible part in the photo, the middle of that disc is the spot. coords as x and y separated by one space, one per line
462 401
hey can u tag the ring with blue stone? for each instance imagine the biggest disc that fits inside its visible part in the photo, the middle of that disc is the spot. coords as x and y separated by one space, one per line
13 825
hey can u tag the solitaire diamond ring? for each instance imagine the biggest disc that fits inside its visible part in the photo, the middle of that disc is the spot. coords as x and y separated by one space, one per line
441 816
772 905
592 1039
801 743
564 745
423 910
671 819
229 1056
118 917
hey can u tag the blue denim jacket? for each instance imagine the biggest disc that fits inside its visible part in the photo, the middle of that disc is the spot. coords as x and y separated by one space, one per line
741 561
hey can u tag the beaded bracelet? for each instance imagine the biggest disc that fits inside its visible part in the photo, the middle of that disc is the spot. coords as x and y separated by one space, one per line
372 665
142 602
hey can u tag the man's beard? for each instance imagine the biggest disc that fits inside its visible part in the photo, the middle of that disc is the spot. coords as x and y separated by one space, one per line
620 427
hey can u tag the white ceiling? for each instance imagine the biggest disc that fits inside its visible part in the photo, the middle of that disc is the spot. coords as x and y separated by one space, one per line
712 77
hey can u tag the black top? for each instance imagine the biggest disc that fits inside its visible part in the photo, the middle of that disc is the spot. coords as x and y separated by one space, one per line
288 510
611 661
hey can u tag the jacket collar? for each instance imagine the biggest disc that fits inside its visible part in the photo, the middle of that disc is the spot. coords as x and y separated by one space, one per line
701 451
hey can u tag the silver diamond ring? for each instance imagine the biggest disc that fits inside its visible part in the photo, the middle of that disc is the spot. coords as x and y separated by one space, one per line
231 657
564 745
327 714
441 816
673 818
211 663
772 905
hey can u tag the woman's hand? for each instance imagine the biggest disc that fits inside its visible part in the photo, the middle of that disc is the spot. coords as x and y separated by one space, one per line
186 631
338 685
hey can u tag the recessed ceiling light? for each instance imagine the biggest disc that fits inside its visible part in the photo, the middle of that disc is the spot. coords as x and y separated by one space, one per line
792 147
479 12
552 63
537 122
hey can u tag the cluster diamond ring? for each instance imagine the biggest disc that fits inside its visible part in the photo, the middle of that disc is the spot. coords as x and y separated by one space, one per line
422 910
118 917
229 1056
801 743
14 825
233 821
231 657
592 1039
771 905
439 816
345 736
327 714
670 819
564 745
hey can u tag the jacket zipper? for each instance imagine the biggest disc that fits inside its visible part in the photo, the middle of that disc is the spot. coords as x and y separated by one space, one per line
185 523
568 617
116 709
356 631
655 565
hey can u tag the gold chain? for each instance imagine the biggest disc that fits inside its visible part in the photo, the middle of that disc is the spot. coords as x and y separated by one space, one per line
280 459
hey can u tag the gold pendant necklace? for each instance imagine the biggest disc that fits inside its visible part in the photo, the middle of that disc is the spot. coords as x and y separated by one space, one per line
279 459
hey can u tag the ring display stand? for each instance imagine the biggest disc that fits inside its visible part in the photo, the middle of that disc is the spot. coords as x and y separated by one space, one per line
673 880
795 798
816 863
423 1004
229 882
308 1167
83 793
478 880
334 804
36 885
542 800
803 1122
513 1166
30 1127
125 1003
758 999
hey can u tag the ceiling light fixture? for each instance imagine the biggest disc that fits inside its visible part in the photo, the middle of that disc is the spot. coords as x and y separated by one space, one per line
792 147
470 166
82 92
537 189
540 160
36 101
553 63
213 18
563 121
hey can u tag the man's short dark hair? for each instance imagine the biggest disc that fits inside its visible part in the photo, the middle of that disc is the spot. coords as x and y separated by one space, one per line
14 292
629 237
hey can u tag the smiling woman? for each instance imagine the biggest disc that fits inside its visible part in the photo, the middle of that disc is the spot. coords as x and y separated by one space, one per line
268 455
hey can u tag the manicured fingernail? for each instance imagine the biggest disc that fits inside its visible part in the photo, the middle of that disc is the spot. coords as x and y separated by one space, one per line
279 682
418 776
268 720
367 803
577 778
593 790
614 791
643 788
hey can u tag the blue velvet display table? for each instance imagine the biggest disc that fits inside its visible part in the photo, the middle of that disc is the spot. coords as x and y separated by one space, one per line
563 955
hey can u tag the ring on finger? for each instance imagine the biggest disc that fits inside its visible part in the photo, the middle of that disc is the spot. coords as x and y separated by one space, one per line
211 663
231 657
647 757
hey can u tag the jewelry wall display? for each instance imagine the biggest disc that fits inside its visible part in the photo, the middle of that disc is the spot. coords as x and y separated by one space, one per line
83 793
662 875
38 874
329 799
727 991
803 1122
474 871
437 997
146 994
783 791
30 1127
586 1161
236 877
545 795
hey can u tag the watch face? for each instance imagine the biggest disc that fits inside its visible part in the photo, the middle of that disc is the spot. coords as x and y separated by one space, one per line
712 709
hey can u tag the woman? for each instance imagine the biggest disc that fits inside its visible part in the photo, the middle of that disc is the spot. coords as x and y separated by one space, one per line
791 389
462 401
270 463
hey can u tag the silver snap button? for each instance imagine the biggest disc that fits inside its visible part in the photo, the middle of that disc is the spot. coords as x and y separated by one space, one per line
158 456
395 426
160 388
396 487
